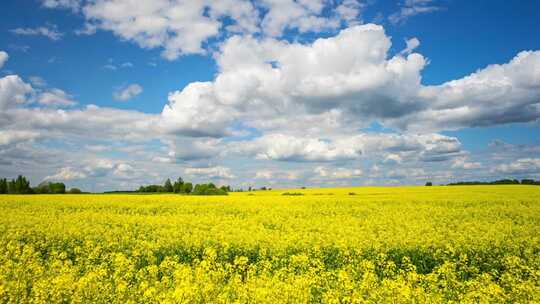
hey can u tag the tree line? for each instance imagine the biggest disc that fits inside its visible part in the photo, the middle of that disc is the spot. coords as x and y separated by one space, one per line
499 182
181 187
21 185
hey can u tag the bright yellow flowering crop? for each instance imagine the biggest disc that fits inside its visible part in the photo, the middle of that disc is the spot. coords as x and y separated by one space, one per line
476 244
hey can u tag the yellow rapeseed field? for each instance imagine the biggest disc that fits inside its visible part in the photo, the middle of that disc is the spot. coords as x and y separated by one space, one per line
475 244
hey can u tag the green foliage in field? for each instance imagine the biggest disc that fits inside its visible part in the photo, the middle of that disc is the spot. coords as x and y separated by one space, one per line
208 189
20 185
477 244
50 188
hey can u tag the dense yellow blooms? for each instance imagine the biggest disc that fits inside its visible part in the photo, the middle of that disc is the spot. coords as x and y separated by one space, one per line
476 244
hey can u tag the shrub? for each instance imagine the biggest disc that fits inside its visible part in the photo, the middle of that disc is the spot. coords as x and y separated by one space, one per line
208 189
74 191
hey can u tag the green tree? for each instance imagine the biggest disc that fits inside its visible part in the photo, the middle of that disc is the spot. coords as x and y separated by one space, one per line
187 188
42 188
208 189
20 185
168 187
3 186
74 191
151 188
178 185
57 188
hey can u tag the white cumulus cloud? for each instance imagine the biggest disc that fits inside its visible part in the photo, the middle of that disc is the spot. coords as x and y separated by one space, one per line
56 98
338 173
128 92
13 91
184 27
3 58
66 174
520 166
210 172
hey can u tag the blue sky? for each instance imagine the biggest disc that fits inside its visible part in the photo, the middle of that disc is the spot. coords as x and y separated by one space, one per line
103 95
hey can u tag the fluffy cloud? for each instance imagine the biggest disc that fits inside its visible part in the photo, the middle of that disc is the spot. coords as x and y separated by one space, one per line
270 79
111 65
412 44
304 16
13 91
393 158
180 27
37 81
3 58
348 81
395 147
338 173
184 149
66 174
195 111
288 148
440 148
184 27
124 170
211 172
264 174
95 168
498 94
71 4
520 166
49 31
10 137
349 11
56 98
411 8
409 173
462 163
128 92
107 122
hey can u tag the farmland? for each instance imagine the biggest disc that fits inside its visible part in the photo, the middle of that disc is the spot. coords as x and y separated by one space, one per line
334 245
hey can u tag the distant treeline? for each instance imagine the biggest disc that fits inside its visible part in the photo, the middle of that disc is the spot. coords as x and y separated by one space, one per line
182 187
21 185
499 182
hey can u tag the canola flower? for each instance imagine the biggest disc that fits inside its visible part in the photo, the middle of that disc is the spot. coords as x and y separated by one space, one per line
470 244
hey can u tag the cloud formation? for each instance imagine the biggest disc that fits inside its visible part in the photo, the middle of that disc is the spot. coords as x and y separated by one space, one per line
498 94
395 147
211 172
56 98
128 92
520 166
184 27
49 31
277 111
348 80
71 4
346 76
410 8
3 58
66 174
13 91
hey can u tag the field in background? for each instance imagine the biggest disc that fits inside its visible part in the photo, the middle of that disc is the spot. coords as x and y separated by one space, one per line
336 245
